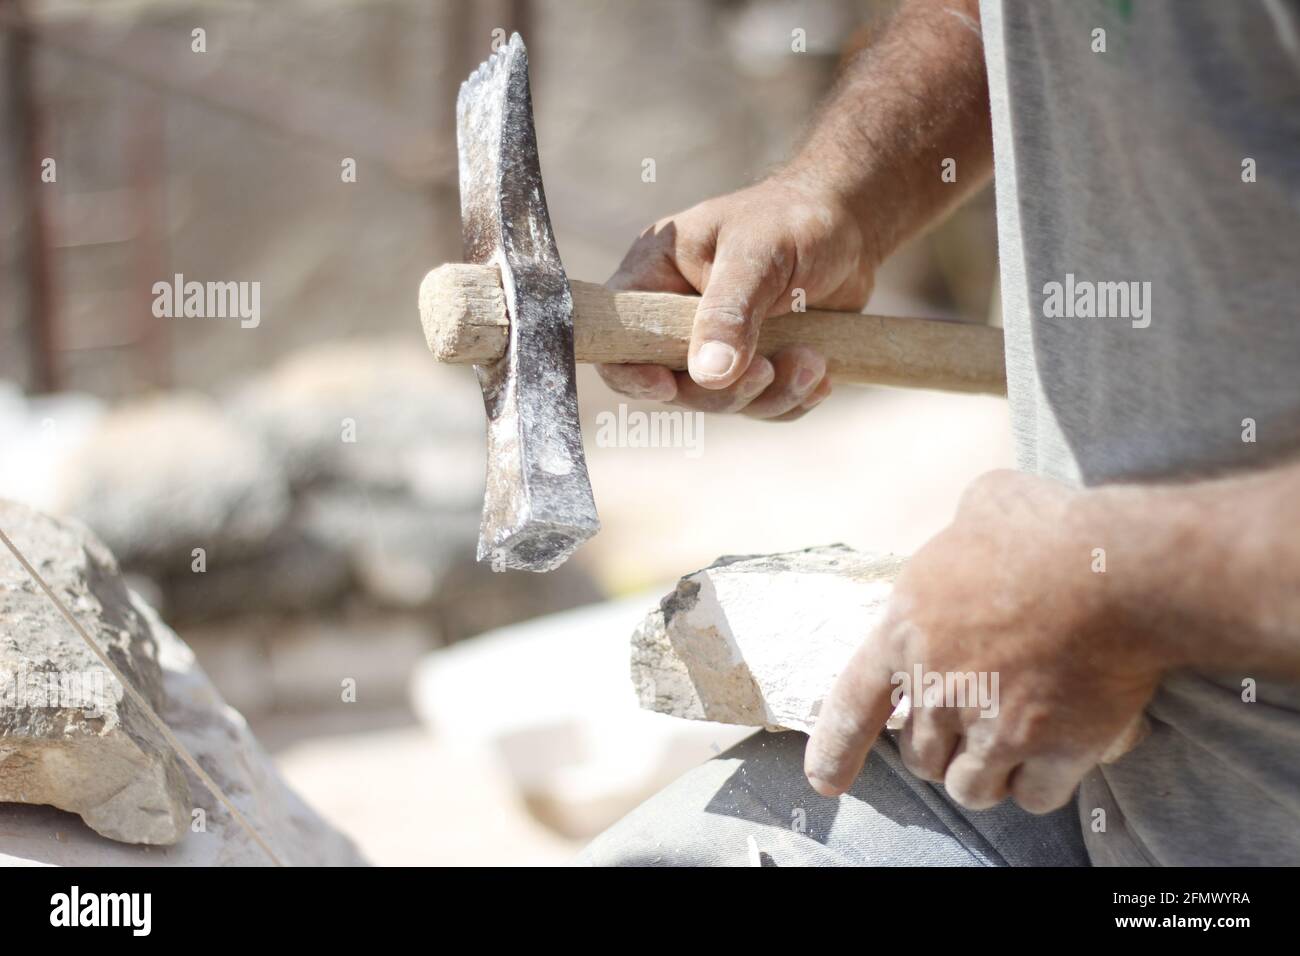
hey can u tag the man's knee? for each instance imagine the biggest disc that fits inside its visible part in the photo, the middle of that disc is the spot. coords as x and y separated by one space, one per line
752 806
730 811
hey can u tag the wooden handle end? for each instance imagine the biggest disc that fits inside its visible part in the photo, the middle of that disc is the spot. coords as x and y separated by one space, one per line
463 311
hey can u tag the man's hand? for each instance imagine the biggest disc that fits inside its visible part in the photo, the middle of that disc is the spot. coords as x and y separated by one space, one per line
867 178
1011 588
749 254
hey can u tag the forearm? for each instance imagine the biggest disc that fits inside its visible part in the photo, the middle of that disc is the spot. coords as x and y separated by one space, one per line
910 101
1210 569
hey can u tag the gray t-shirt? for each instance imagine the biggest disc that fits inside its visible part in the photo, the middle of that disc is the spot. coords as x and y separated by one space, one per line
1171 157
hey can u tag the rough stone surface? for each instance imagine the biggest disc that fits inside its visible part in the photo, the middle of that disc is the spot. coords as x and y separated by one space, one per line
122 781
87 750
758 640
159 477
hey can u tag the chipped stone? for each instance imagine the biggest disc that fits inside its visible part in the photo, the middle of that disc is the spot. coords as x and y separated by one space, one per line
758 640
68 736
113 769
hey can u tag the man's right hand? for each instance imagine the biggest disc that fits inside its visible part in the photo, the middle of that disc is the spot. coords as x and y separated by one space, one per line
748 254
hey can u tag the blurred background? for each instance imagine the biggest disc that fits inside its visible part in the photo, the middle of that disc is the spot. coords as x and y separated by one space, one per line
328 470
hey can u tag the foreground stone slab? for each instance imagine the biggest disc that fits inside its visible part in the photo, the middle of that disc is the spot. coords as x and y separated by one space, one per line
112 769
68 737
759 640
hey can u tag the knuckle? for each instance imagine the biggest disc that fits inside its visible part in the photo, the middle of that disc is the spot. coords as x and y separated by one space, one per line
1031 728
989 486
1002 741
963 792
975 788
975 492
1040 791
926 755
1039 802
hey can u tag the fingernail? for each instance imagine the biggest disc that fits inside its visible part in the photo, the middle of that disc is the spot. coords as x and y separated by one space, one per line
713 360
804 377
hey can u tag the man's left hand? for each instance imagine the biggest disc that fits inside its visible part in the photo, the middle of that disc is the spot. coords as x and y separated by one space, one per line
1016 587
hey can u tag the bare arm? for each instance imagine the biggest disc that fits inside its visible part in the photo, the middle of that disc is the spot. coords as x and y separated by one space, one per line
867 177
1212 569
917 97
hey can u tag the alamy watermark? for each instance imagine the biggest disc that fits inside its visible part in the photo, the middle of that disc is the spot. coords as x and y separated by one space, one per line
93 691
947 689
74 908
209 300
632 428
1084 299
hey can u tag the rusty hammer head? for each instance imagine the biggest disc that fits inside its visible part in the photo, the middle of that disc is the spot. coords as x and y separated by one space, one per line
538 506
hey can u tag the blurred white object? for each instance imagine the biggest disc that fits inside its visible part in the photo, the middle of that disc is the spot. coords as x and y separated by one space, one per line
38 436
763 33
553 697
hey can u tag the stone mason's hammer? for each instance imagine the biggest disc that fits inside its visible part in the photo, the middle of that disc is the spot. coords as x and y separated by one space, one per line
514 314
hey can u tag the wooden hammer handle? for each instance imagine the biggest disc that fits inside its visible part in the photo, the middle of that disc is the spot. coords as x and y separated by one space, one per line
463 309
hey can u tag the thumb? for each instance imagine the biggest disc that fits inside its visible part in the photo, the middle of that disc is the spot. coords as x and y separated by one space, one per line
739 293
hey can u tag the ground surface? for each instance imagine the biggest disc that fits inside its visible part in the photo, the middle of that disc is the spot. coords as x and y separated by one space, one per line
408 798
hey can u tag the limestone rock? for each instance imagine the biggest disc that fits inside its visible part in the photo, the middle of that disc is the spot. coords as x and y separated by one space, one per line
220 740
759 640
162 476
68 736
111 770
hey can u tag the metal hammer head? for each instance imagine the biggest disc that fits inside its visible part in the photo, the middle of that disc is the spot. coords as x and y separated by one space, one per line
538 506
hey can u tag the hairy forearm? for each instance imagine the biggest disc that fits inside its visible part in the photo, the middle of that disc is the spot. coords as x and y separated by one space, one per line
913 99
1210 569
